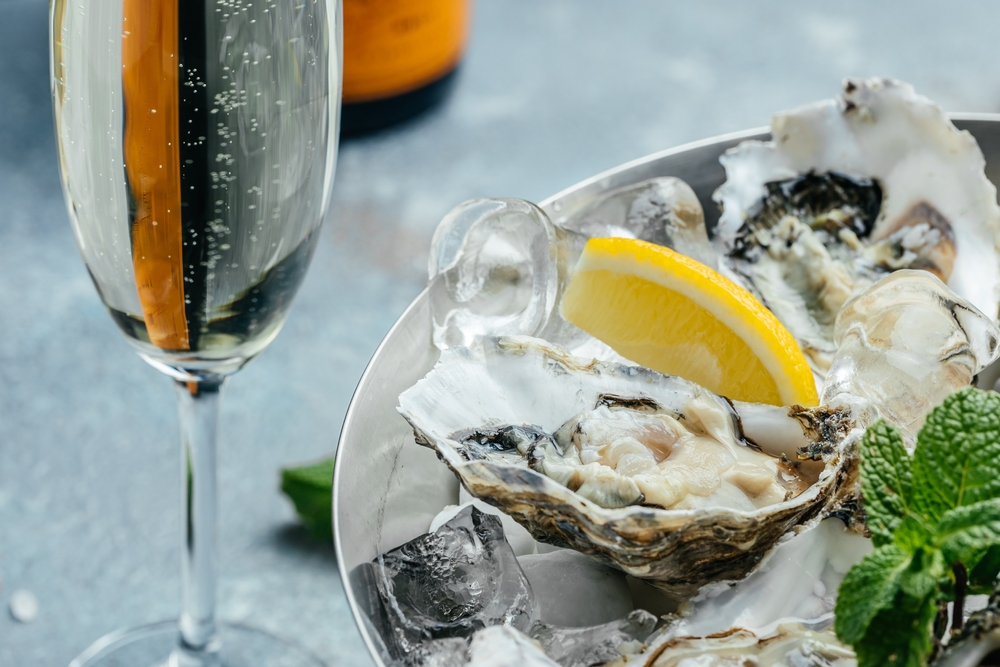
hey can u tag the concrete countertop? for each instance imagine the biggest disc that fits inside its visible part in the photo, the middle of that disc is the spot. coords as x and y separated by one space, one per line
549 94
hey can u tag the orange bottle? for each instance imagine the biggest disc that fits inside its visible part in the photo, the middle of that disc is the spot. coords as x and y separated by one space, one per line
400 57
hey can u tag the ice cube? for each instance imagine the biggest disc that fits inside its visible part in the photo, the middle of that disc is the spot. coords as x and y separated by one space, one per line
501 646
498 267
903 345
374 616
583 647
664 211
451 583
517 535
448 652
545 548
574 590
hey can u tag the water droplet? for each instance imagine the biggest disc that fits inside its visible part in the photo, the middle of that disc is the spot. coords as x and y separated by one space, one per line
23 605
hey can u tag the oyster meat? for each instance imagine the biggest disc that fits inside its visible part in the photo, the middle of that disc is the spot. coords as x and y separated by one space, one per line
849 190
494 416
617 455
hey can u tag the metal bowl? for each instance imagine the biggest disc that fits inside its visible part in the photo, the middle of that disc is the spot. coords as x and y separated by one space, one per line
385 488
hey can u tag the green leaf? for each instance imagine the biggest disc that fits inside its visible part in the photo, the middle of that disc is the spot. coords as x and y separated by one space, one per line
899 634
983 577
926 514
966 533
912 533
924 574
869 586
957 459
886 480
310 490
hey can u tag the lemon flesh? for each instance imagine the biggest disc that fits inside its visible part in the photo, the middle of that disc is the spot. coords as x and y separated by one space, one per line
670 313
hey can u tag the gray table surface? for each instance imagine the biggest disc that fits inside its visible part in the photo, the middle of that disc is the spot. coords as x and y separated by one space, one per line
550 93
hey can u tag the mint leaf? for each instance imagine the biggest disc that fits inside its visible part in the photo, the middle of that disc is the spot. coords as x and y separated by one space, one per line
310 488
966 533
912 533
899 635
886 480
983 577
869 586
957 459
933 518
924 574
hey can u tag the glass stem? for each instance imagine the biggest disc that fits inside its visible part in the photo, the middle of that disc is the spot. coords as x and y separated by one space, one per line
198 403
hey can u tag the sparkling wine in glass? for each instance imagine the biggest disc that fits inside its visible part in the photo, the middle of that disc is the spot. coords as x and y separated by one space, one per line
197 142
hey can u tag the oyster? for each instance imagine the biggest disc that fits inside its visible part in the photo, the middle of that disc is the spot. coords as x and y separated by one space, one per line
779 615
790 644
492 414
849 190
798 580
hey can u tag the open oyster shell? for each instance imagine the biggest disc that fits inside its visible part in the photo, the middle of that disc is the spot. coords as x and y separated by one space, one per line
849 190
789 644
524 381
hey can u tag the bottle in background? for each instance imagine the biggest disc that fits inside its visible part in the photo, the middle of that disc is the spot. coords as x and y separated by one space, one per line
400 58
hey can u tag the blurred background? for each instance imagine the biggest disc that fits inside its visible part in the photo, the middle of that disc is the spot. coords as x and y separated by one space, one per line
549 93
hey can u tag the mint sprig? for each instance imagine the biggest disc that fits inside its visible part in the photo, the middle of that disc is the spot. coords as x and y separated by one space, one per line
935 523
886 481
958 448
309 487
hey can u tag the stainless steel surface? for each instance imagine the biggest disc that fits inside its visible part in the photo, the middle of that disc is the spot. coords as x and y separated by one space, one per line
386 488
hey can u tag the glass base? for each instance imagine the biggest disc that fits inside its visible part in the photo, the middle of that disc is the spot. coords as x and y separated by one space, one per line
156 645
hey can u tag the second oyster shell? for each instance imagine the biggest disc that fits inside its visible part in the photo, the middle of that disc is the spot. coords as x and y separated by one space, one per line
789 644
849 190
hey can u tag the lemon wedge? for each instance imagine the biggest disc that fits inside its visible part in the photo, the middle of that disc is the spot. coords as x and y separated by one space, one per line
670 313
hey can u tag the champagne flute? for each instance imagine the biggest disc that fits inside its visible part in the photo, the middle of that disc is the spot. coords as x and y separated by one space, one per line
197 142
